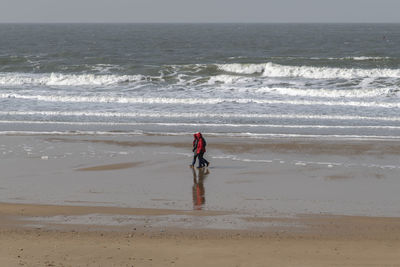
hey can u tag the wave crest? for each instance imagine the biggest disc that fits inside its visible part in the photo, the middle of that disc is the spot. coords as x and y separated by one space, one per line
194 101
275 70
57 79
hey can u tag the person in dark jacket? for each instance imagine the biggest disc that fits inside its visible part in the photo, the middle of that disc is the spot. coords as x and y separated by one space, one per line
201 149
195 142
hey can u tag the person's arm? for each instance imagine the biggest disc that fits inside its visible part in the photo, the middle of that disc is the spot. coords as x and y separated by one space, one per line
195 145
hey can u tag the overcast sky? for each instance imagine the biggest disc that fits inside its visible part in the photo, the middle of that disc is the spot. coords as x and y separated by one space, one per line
200 11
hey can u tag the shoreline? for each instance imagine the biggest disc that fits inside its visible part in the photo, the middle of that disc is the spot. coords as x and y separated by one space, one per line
232 135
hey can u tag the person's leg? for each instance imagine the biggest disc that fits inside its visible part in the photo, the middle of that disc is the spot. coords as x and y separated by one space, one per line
205 161
201 163
194 160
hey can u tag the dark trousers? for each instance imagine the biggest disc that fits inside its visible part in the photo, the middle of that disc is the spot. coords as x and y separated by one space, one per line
194 159
202 160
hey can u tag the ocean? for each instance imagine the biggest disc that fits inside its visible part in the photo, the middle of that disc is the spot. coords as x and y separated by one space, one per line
251 80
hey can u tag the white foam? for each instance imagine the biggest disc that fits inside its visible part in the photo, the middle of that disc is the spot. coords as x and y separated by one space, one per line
243 68
359 58
275 70
191 101
328 93
114 99
195 115
57 79
227 79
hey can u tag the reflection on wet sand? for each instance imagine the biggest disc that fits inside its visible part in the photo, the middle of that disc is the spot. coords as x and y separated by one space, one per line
198 191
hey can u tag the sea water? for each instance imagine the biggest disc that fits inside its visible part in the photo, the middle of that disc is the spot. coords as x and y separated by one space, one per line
258 80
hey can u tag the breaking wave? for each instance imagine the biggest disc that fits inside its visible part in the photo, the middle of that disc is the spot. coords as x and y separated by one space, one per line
192 101
57 79
275 70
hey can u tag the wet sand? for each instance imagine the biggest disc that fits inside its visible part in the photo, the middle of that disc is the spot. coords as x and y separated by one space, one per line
110 167
255 176
103 200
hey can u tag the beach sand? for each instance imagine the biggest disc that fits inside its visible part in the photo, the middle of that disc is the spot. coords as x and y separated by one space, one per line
326 241
133 201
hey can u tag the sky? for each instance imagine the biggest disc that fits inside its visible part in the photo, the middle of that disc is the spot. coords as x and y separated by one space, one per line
199 11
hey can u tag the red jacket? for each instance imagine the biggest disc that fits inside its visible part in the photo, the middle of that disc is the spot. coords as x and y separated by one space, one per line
201 146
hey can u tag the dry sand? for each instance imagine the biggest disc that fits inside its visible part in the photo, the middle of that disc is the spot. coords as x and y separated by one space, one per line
326 241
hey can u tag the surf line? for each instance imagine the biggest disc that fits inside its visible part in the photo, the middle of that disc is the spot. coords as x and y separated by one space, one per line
195 115
219 125
191 101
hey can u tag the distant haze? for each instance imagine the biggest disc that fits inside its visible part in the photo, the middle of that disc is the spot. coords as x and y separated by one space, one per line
199 11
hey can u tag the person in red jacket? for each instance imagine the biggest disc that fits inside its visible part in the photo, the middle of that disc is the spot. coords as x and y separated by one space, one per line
201 149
